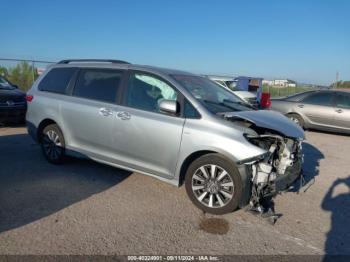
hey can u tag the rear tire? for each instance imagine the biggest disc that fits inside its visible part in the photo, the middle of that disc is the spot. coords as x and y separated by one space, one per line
213 184
53 144
297 119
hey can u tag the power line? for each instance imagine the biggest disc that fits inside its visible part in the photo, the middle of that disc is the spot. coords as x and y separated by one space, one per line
27 60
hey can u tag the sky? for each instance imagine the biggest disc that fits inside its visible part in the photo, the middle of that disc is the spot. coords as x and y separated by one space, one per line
303 40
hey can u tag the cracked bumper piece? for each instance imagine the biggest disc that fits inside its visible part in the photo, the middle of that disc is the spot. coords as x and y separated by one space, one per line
292 174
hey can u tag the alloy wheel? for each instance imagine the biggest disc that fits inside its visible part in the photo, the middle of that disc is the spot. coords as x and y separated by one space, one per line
295 120
52 144
212 186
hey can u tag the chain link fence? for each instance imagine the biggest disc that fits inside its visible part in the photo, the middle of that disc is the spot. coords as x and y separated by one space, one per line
22 72
289 90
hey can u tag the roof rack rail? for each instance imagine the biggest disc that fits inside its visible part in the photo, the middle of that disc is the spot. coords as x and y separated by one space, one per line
67 61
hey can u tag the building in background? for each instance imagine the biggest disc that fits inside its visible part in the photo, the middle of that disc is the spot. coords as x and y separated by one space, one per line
280 83
266 82
40 70
239 83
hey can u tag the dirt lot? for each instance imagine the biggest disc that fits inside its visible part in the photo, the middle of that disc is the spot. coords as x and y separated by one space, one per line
83 207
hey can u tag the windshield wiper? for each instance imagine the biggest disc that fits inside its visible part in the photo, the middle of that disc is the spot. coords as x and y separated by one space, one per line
220 104
239 102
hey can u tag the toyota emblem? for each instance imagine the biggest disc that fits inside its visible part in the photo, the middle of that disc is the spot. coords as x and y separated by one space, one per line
10 103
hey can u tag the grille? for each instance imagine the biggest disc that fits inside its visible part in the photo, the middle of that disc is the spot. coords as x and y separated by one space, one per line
15 99
9 114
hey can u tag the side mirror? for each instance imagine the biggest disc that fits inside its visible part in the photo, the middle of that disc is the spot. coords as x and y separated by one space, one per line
168 106
15 86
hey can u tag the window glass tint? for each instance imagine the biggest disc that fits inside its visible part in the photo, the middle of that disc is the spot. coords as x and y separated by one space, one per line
98 84
5 84
145 92
213 96
322 99
343 100
190 111
56 80
298 96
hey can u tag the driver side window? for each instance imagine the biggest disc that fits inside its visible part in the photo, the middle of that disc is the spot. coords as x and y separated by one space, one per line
145 92
321 99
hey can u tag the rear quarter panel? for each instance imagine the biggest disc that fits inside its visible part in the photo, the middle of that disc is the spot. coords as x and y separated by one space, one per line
282 106
43 106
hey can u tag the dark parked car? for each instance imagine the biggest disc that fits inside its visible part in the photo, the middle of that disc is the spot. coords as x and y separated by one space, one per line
327 110
13 105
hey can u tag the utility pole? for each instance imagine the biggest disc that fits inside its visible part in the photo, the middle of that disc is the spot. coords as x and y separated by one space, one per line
33 74
336 80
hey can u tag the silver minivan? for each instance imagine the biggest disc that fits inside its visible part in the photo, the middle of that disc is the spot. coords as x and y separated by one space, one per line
169 124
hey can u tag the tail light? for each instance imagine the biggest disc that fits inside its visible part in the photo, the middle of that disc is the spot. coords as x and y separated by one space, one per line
29 98
265 101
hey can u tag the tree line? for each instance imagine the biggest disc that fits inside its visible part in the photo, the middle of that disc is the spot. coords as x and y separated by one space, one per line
23 75
341 84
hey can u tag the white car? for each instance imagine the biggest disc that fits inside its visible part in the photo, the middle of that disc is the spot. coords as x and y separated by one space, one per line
230 83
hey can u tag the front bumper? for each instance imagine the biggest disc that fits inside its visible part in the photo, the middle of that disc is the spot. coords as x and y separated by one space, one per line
10 114
281 183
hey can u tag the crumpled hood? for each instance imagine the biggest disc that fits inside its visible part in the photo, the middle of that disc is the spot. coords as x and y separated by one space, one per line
270 120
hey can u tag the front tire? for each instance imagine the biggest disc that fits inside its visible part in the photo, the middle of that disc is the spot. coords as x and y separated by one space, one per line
52 144
213 184
297 119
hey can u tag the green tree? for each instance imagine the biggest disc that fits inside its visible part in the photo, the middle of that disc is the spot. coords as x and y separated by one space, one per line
341 84
4 72
23 75
345 84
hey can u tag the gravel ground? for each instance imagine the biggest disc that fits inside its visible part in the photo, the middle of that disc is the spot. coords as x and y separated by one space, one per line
83 207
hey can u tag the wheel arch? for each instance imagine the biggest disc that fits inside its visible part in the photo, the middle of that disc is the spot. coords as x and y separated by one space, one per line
189 159
44 123
293 113
299 115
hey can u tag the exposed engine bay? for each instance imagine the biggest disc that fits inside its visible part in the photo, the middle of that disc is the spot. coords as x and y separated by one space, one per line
277 169
274 173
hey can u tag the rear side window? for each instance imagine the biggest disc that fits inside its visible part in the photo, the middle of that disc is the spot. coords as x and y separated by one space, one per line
322 99
299 96
98 84
56 80
343 100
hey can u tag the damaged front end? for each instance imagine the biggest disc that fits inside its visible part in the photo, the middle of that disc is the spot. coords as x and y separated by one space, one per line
281 165
277 171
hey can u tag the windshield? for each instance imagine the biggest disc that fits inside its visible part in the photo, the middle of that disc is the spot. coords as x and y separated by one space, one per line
4 84
213 96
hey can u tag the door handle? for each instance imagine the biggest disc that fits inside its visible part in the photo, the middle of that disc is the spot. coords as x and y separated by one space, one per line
339 111
123 115
301 106
105 111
